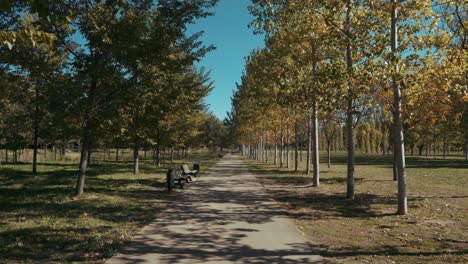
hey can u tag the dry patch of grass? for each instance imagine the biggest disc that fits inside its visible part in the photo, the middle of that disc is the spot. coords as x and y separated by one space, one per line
366 230
41 221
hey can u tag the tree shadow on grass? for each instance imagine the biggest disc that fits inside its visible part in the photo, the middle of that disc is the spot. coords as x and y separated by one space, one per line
45 202
411 162
336 204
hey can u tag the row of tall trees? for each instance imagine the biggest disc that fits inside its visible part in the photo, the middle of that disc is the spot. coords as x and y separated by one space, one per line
108 73
394 71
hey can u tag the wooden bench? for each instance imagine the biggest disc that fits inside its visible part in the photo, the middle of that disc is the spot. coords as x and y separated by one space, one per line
186 171
176 177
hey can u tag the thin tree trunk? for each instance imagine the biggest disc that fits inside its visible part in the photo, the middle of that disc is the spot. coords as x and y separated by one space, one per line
172 154
466 143
328 153
315 139
62 156
86 141
136 158
266 148
117 154
158 155
276 147
282 148
398 122
36 133
288 158
395 166
296 150
36 145
309 142
350 110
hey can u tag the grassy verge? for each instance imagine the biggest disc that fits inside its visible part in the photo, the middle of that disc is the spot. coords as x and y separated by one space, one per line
366 230
41 221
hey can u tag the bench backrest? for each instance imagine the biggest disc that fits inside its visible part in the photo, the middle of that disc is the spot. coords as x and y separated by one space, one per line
185 168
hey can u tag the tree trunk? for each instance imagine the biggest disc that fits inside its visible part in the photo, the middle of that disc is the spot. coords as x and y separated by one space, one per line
296 149
288 158
62 156
466 143
395 166
398 122
309 142
158 155
36 145
427 148
172 154
136 158
86 140
282 148
276 147
83 165
300 149
329 154
350 110
36 132
315 139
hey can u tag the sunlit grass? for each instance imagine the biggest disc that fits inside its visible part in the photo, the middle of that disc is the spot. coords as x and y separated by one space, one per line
367 229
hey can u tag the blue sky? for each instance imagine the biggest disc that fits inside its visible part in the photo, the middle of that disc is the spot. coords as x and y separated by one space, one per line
228 31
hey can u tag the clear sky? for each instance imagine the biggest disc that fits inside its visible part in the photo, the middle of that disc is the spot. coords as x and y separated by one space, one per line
228 31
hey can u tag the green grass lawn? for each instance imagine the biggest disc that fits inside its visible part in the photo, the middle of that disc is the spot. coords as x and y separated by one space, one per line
366 230
41 221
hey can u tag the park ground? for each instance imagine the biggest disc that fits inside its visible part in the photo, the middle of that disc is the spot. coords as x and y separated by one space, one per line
367 230
42 222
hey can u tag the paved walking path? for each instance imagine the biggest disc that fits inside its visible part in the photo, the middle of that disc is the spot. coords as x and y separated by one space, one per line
224 217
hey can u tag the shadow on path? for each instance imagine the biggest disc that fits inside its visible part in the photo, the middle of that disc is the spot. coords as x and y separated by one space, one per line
225 217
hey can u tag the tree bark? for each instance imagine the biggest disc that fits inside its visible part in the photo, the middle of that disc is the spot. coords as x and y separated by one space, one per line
398 122
86 140
350 108
395 166
276 147
315 139
282 148
466 143
136 158
296 149
288 158
309 142
36 132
